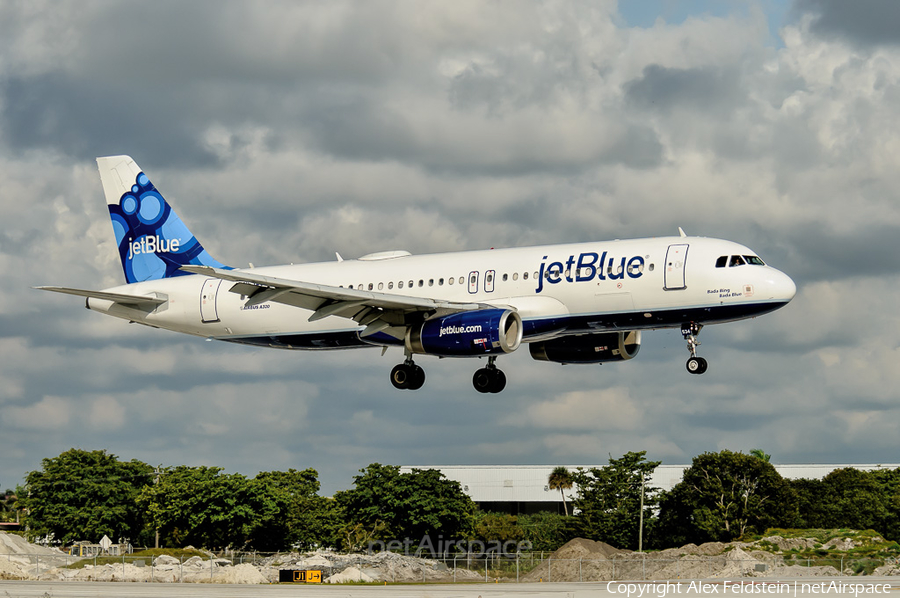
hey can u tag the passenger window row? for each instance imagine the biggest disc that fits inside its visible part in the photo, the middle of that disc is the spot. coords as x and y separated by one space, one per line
431 282
505 277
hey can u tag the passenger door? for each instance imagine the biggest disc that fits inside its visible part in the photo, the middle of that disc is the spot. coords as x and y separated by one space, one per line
208 311
676 258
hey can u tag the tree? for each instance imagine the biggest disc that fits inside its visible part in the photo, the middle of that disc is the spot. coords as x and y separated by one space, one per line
760 454
810 498
545 531
853 498
288 511
609 499
888 481
7 506
201 506
401 506
502 527
723 496
560 479
84 495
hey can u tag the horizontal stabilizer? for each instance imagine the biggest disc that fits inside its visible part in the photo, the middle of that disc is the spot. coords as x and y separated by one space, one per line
135 300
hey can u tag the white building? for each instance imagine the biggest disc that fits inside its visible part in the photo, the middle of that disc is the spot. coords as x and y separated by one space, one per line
523 488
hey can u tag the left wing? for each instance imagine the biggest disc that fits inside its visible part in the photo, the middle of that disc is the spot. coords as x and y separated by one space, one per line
376 311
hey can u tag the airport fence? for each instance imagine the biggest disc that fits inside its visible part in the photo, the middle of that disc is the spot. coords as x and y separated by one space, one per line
522 567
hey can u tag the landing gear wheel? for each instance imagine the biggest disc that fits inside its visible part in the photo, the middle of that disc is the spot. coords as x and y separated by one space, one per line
400 376
488 380
417 379
499 381
482 380
696 365
407 376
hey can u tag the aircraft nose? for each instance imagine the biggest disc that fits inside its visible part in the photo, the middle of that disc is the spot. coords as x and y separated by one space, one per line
782 287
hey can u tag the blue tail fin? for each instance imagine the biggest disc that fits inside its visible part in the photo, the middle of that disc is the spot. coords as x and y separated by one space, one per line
153 241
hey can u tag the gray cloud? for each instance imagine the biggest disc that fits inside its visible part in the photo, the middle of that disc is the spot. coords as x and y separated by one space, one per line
866 23
708 90
84 120
286 132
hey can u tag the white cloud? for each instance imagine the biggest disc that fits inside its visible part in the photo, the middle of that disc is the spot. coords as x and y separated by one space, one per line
50 414
600 410
287 132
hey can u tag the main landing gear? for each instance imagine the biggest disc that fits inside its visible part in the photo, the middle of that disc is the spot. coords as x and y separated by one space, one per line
489 379
407 375
694 365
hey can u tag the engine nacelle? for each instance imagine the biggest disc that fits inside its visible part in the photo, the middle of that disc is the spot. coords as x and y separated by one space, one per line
467 333
589 348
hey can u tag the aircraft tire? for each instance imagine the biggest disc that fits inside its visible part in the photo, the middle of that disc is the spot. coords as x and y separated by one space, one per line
417 378
696 365
499 382
401 378
483 380
703 365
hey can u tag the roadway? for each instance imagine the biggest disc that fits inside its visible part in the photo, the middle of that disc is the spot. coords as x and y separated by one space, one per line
807 586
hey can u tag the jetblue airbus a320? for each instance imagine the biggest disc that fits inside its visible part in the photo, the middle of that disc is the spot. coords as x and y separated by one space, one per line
575 303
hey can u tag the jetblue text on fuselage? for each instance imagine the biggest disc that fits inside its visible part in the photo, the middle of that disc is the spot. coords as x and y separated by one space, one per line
587 266
153 244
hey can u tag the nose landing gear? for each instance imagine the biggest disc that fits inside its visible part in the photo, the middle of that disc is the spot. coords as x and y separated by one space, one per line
694 365
489 379
408 375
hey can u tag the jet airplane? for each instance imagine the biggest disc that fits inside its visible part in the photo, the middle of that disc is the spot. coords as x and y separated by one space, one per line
576 303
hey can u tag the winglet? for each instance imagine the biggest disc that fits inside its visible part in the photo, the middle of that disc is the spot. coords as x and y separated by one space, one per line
681 232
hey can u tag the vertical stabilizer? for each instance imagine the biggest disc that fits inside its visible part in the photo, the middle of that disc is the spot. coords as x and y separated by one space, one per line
153 242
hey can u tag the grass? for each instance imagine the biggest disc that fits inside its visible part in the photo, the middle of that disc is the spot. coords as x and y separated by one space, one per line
871 550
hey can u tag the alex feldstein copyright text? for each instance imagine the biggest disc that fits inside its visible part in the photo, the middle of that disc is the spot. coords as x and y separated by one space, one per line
663 589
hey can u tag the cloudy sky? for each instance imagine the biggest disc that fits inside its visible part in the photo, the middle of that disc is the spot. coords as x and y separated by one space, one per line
286 131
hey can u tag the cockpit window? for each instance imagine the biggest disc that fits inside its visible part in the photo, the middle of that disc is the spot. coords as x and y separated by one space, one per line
754 260
722 261
736 260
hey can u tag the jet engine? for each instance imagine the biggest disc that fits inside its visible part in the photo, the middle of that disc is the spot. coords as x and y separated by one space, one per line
589 348
468 333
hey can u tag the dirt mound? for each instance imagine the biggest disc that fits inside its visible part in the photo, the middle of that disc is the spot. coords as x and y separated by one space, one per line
791 543
13 544
579 559
349 575
844 543
10 570
801 571
589 549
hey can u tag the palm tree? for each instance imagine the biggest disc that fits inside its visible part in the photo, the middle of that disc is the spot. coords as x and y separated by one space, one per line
560 479
760 454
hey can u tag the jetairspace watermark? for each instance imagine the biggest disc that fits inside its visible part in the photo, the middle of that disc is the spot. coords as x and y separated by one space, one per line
660 589
448 548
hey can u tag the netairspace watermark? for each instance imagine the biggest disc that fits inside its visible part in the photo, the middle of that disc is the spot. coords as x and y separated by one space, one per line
662 589
448 548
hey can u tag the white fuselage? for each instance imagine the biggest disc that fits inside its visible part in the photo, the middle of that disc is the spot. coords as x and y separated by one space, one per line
556 289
